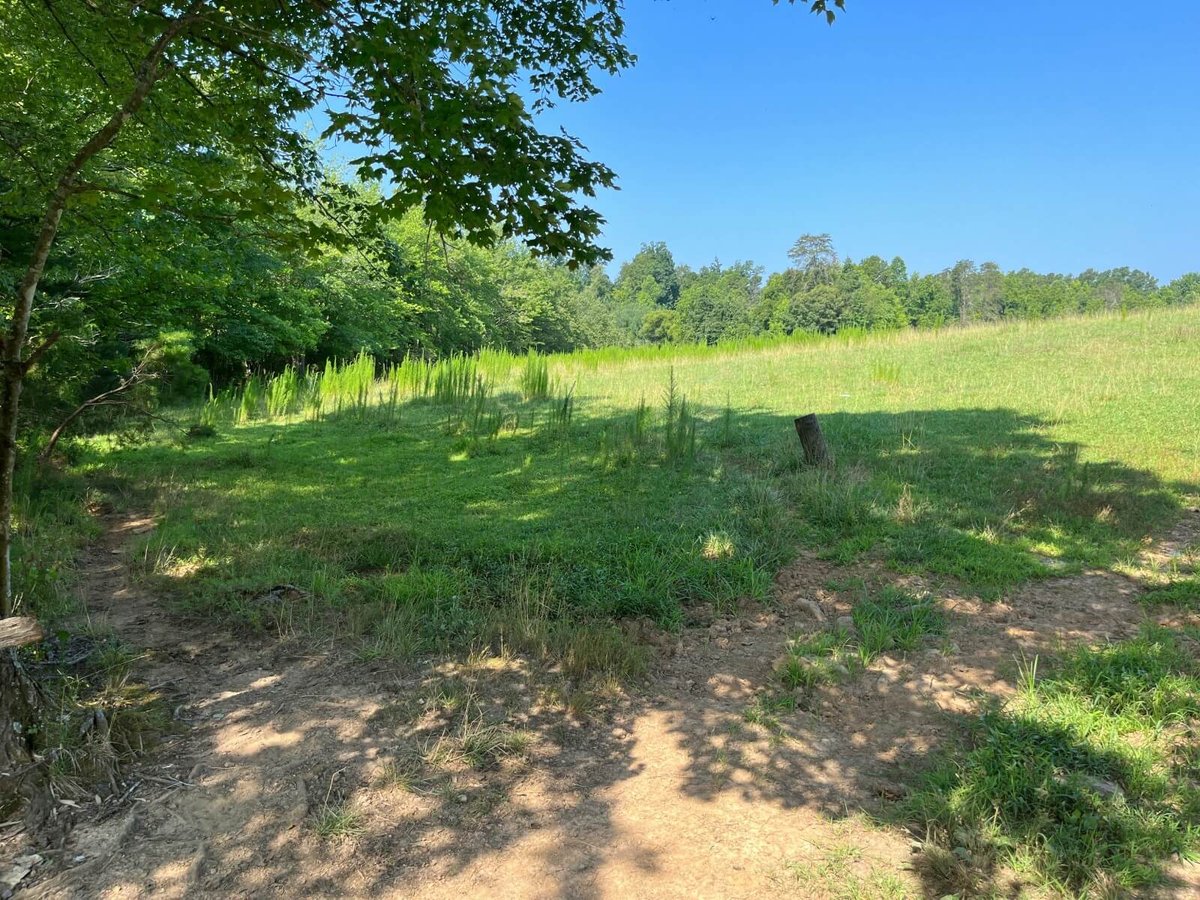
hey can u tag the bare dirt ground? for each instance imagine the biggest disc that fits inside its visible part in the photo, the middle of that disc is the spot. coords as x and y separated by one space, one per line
299 771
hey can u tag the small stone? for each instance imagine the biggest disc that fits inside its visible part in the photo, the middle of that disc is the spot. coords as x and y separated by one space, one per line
812 608
845 623
1104 788
462 798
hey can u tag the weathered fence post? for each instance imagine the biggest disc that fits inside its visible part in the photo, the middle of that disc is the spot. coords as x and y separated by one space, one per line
816 451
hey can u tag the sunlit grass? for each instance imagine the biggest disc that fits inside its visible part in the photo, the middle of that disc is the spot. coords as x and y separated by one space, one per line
410 504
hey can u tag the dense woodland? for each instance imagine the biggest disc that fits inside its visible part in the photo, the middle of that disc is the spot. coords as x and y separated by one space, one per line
219 299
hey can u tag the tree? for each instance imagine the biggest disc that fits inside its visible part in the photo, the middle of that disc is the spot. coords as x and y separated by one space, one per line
119 108
649 279
716 302
111 90
815 257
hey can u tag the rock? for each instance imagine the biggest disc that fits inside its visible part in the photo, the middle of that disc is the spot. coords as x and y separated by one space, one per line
1105 789
845 623
812 608
20 868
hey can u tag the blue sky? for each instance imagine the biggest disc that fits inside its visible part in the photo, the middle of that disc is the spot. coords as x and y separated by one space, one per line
1053 134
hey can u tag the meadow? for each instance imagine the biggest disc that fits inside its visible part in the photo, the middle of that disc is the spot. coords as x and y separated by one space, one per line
621 483
552 506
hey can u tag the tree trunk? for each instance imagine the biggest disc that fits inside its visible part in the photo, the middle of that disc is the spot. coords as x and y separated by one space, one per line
816 451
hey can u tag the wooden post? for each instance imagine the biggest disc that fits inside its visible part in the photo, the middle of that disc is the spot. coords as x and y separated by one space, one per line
816 451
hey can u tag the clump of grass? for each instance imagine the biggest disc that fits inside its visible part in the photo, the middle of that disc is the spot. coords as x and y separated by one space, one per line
482 745
679 425
284 393
99 717
562 410
887 620
820 658
894 619
1183 593
340 820
885 373
535 377
456 380
250 402
764 711
1083 781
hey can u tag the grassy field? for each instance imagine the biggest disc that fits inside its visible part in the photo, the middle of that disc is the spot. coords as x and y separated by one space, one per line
539 504
639 482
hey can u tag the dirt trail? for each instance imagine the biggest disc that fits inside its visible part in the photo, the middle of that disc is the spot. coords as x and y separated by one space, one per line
669 793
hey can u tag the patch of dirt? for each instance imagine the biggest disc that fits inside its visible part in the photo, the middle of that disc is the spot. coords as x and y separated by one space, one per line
301 772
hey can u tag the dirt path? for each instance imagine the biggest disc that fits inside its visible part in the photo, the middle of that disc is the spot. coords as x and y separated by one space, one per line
300 773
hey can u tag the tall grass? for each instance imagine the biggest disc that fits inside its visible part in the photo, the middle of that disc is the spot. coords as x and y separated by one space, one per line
535 377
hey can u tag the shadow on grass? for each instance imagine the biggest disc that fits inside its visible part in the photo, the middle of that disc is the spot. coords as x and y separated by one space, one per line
578 526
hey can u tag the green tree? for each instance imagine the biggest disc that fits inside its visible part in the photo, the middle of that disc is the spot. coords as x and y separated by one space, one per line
716 302
649 279
431 89
816 258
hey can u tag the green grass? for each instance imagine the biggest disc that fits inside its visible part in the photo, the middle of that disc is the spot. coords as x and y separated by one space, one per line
413 507
339 821
889 620
1085 781
1183 593
529 504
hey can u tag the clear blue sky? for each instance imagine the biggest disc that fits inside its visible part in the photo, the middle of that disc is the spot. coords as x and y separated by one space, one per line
1054 134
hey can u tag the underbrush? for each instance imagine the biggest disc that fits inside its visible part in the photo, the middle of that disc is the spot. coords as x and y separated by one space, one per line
51 522
94 715
1084 782
1183 593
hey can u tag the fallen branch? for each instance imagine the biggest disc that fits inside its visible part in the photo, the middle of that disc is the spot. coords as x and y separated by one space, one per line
140 374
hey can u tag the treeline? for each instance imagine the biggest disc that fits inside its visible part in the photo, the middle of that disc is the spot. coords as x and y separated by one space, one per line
219 298
653 300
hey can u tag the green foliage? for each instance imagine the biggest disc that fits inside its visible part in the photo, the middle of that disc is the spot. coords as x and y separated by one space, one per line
894 620
885 621
535 377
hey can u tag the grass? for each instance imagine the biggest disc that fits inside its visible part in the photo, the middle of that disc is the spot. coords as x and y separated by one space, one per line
884 621
1183 593
842 873
412 505
526 505
339 820
1084 782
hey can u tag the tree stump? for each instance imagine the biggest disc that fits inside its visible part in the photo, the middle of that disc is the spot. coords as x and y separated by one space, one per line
21 705
17 631
816 451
